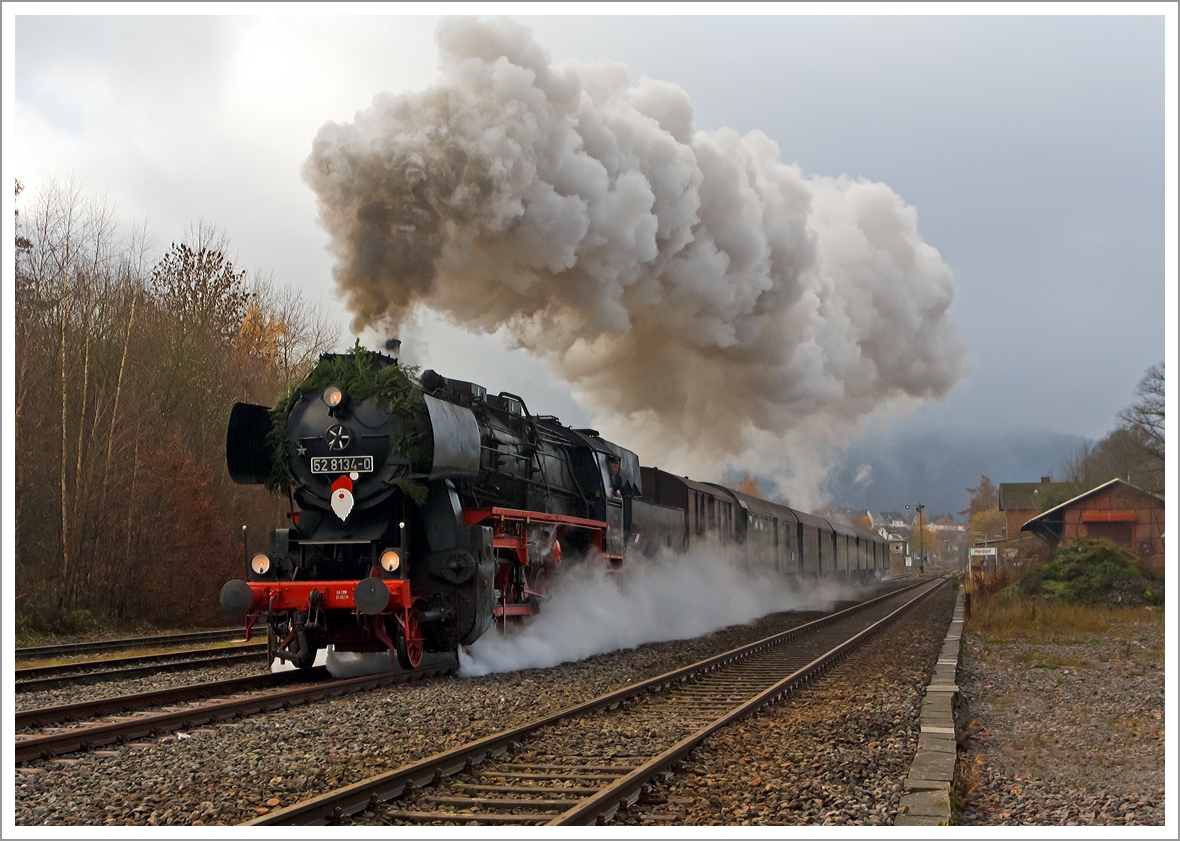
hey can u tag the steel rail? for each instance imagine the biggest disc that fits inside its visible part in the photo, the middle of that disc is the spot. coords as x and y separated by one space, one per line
601 808
48 716
84 738
357 797
128 643
41 678
35 672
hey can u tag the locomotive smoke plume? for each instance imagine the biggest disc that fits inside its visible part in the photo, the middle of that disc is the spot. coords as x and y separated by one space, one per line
701 295
669 597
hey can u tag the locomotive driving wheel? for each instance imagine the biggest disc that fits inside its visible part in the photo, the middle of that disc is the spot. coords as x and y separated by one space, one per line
410 640
538 593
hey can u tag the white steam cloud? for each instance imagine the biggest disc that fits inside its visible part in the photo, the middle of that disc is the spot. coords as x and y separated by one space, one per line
669 597
707 301
591 611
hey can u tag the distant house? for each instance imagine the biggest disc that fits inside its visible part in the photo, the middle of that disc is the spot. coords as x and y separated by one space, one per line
1118 511
896 519
946 524
1021 501
852 516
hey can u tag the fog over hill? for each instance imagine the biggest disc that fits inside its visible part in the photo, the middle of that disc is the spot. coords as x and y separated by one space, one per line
888 470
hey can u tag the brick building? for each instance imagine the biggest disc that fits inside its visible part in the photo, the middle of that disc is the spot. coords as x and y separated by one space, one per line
1021 501
1118 511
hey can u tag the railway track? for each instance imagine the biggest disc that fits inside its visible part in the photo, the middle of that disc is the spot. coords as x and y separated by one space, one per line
99 647
120 704
574 767
265 692
81 672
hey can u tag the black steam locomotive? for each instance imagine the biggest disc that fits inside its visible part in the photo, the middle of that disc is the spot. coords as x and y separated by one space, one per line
424 509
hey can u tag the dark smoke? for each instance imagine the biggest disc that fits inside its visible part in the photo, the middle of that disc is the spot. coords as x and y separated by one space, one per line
703 296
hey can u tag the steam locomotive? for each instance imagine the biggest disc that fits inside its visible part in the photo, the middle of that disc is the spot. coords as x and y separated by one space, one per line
424 509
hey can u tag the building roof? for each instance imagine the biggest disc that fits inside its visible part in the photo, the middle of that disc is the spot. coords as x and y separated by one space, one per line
1029 495
1049 522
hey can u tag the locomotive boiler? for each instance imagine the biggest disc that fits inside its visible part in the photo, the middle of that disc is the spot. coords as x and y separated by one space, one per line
422 509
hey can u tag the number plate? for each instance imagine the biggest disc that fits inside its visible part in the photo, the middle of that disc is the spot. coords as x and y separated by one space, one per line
342 464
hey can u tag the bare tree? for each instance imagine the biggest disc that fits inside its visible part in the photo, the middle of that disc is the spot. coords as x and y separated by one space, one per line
126 369
1133 451
299 332
1144 419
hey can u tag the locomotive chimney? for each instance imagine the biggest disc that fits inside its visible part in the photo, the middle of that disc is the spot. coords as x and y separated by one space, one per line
393 346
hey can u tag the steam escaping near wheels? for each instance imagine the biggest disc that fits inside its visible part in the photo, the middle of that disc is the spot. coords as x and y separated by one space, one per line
710 302
668 597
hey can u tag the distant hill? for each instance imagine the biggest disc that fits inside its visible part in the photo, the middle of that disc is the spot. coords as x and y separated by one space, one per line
936 467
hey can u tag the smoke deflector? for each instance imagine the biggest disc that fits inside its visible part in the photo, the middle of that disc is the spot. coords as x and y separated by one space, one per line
456 440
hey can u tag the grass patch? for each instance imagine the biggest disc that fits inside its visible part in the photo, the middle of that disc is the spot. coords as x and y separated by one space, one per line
968 778
1052 661
1040 622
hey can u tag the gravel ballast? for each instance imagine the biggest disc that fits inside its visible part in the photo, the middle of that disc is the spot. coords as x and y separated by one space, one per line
833 754
232 772
115 688
1063 733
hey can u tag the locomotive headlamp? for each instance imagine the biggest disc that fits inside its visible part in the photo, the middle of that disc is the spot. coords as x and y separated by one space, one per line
260 563
390 560
333 396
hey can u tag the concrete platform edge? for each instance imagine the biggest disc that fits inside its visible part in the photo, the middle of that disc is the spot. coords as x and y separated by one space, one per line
928 801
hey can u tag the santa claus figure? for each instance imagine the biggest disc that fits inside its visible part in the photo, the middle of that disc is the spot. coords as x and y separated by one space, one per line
342 496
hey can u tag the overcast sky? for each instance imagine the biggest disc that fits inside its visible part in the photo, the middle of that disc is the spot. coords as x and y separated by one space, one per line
1031 147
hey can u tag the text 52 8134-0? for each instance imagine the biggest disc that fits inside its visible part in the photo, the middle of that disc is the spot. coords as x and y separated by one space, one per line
342 464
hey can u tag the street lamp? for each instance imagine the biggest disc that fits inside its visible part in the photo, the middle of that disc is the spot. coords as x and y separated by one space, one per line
921 555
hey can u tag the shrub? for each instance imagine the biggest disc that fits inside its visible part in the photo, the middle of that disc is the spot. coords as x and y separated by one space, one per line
83 622
1090 571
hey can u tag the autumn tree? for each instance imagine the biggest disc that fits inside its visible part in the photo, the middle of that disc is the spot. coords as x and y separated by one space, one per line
749 486
984 496
990 524
126 365
285 329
